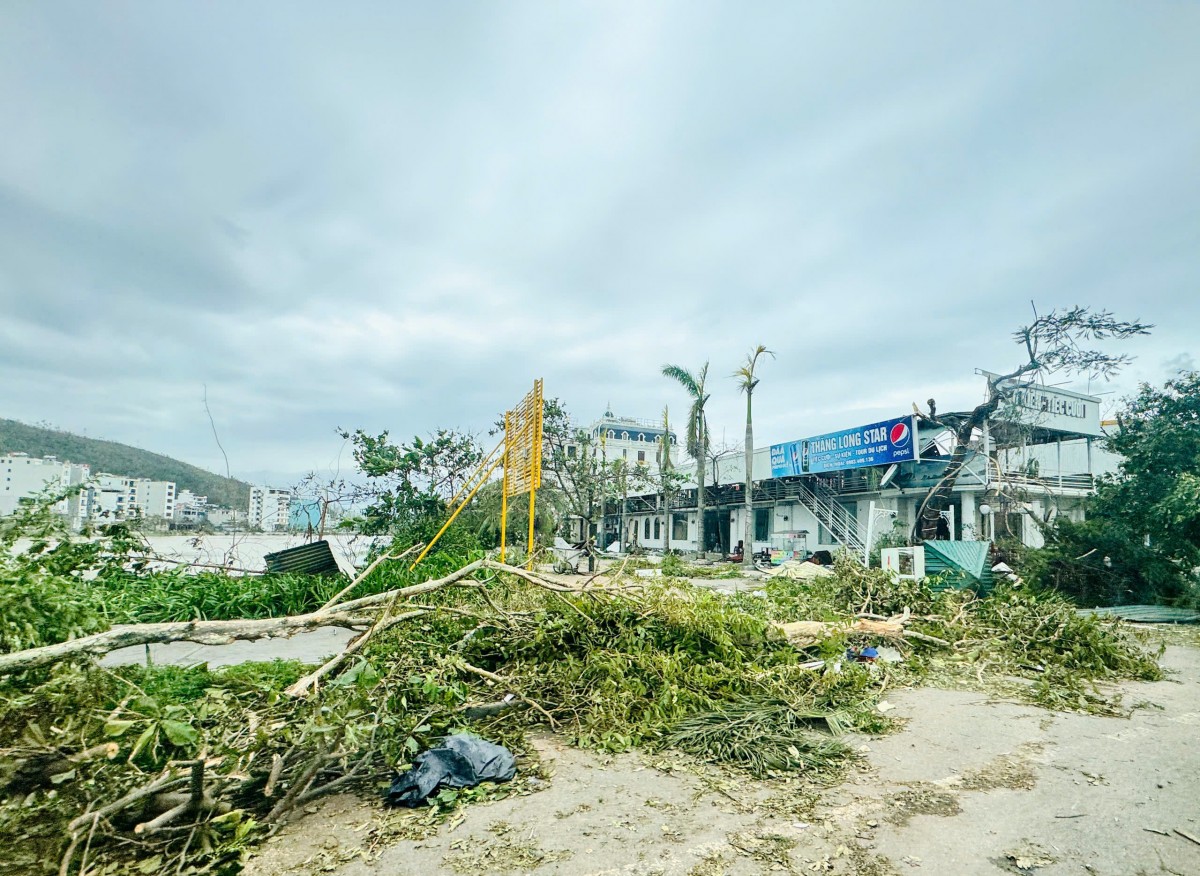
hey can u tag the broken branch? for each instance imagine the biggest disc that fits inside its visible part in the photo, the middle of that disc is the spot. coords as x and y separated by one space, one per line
491 676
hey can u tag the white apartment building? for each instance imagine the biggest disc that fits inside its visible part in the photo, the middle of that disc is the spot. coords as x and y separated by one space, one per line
116 497
269 508
24 477
190 508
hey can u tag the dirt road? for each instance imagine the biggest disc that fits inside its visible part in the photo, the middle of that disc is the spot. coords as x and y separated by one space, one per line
970 786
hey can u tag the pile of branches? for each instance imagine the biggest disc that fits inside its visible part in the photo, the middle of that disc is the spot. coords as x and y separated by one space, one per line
183 770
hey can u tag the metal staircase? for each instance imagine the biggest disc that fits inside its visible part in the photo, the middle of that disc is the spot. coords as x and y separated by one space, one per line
830 513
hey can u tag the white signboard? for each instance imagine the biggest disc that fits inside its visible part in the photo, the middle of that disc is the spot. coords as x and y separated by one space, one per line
1053 409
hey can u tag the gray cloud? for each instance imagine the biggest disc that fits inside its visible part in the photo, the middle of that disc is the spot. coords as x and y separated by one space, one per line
395 217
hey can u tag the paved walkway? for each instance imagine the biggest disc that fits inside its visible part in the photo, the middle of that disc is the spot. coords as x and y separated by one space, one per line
313 646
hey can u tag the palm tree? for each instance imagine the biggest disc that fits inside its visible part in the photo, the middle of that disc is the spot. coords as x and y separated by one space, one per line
697 431
746 382
665 480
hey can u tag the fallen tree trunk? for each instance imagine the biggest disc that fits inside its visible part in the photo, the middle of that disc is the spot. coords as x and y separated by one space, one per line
222 632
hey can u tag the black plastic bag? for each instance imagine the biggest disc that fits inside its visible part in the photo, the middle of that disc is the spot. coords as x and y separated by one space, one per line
461 761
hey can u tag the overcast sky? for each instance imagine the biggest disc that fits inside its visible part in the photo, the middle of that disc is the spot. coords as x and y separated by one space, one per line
396 216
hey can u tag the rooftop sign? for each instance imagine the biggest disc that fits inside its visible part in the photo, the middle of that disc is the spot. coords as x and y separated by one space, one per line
881 443
1053 409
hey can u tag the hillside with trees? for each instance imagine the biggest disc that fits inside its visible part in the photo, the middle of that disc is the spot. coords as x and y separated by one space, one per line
110 456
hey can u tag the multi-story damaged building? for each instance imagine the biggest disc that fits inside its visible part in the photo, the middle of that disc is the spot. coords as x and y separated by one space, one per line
1036 459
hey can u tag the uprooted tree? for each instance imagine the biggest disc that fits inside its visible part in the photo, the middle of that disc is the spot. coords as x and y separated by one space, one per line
1057 342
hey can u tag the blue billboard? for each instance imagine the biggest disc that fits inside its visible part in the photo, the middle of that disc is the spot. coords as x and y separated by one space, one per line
880 443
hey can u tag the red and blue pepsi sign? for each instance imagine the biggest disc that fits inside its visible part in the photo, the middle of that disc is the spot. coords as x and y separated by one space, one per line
881 443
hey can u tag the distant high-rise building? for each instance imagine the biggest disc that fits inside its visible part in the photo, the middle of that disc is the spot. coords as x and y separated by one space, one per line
269 508
117 497
23 478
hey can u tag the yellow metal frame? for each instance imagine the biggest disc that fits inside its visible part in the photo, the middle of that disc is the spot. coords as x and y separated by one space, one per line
521 461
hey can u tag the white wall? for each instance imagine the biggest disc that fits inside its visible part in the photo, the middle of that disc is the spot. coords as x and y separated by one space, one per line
24 477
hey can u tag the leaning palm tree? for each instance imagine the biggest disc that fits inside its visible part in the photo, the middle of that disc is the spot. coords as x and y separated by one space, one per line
746 382
697 432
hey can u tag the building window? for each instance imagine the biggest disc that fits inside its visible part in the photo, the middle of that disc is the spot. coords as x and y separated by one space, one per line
641 456
647 536
762 524
624 436
570 451
641 436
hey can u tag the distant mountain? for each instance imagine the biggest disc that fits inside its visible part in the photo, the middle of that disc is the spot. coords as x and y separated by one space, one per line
121 459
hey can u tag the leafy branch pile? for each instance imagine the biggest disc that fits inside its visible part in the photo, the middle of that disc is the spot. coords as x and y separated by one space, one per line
149 769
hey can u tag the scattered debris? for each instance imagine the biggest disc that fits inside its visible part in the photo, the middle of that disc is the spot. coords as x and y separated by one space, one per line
1028 860
800 571
502 855
1187 836
461 761
614 662
1146 614
1011 773
922 799
315 558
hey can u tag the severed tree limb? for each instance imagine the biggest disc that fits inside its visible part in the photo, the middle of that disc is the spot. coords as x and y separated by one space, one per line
531 577
487 710
803 634
156 824
302 685
164 782
219 632
922 637
364 573
302 783
491 676
193 800
65 867
273 777
334 784
222 632
380 599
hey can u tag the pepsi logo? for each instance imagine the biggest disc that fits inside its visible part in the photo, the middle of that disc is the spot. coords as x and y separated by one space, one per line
900 434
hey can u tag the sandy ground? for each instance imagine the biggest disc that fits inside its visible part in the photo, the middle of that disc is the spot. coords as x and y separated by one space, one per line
970 786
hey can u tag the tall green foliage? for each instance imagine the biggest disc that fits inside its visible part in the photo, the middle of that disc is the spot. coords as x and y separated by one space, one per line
1157 490
411 485
1141 542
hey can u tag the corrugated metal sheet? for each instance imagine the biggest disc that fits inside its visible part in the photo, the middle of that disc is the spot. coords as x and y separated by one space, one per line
315 558
959 563
1147 614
